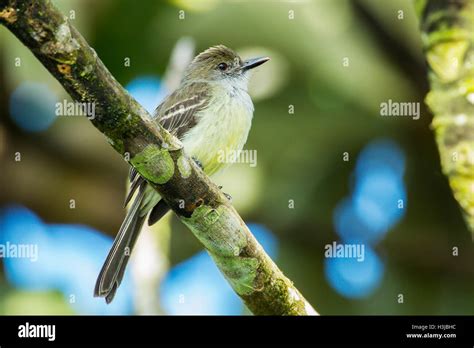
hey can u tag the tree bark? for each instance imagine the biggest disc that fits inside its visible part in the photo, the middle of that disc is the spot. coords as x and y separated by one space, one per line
156 155
448 40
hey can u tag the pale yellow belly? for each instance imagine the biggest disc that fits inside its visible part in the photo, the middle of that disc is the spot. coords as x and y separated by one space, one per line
221 132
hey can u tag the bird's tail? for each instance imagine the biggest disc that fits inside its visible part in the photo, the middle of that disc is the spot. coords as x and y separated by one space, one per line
146 200
112 271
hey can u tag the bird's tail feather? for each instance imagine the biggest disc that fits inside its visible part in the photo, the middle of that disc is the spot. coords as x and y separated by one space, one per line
112 271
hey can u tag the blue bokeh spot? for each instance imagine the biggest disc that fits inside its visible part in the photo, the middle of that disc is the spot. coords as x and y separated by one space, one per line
147 90
69 258
375 206
352 278
381 152
33 106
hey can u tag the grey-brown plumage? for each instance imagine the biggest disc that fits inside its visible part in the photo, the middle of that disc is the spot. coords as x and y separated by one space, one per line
178 113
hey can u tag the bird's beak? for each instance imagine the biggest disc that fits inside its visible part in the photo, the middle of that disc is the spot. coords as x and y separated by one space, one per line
254 62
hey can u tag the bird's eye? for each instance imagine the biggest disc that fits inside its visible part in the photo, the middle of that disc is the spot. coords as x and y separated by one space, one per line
222 66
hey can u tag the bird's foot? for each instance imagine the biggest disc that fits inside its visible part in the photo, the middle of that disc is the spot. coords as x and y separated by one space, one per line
198 162
229 197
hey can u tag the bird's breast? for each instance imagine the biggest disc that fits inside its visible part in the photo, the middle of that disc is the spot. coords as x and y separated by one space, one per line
221 131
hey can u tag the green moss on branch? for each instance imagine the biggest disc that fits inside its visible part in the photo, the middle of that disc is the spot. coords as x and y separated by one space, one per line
448 41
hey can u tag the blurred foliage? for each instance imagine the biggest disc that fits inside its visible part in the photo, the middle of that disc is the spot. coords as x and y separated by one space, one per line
300 154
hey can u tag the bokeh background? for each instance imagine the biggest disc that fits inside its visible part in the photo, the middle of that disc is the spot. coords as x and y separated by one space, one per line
329 167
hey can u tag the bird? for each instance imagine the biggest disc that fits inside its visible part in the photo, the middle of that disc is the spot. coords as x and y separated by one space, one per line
211 113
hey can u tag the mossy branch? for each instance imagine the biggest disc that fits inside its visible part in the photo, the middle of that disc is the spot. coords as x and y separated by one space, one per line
448 40
157 156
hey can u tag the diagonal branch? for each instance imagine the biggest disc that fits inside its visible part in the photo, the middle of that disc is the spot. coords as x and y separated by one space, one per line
157 156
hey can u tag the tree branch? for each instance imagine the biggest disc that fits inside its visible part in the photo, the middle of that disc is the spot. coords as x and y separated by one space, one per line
448 40
157 156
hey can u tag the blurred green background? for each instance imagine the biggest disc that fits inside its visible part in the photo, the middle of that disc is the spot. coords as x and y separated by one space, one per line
336 104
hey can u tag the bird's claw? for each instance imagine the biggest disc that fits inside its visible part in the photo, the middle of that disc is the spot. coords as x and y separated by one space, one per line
229 197
198 162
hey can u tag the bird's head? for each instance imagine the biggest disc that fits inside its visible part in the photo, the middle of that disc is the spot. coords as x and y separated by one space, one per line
220 63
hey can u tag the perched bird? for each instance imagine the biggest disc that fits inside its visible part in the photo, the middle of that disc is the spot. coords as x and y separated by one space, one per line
211 113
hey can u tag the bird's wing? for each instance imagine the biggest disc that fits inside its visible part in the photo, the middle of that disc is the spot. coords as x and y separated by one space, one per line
178 112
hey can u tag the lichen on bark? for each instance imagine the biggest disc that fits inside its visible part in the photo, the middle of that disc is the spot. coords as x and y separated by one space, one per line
154 163
448 41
